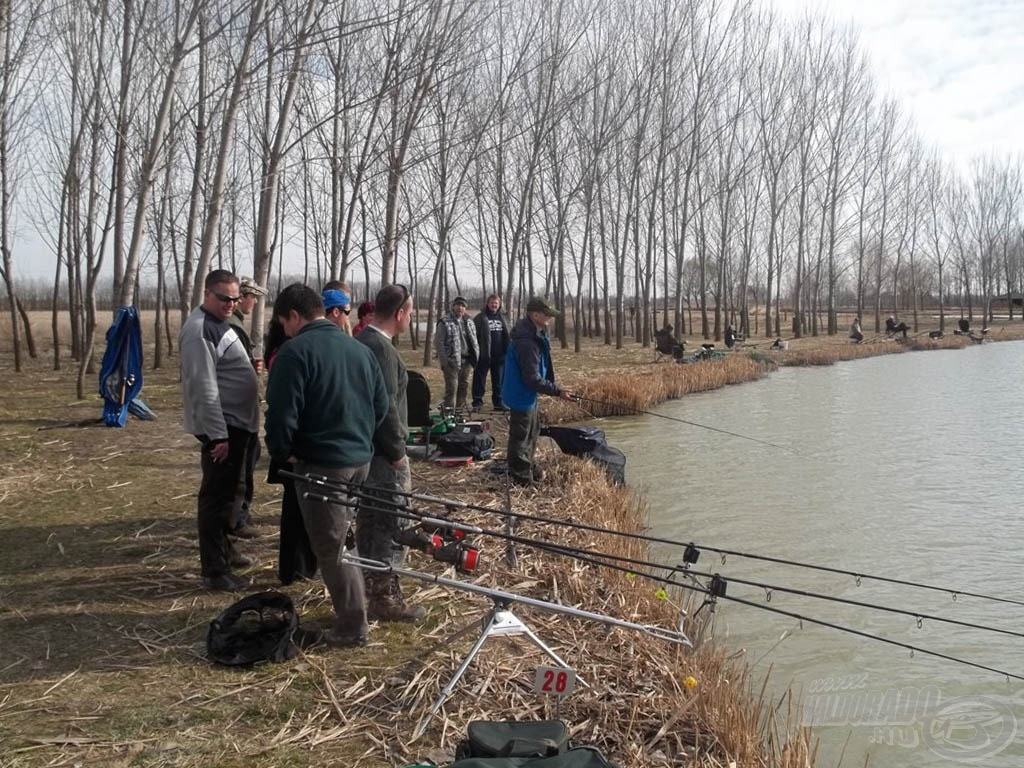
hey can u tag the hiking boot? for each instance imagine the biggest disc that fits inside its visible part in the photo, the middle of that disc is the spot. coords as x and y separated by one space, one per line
244 532
537 473
226 582
238 560
524 482
336 639
384 600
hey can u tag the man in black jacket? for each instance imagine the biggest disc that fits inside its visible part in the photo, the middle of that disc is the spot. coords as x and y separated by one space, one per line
377 526
492 335
325 400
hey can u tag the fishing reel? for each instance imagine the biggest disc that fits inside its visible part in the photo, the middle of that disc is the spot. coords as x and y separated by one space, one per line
446 545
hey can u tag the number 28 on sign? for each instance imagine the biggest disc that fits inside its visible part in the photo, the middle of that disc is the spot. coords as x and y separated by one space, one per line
554 681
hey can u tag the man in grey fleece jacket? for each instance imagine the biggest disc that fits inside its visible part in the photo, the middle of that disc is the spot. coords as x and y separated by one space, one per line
220 398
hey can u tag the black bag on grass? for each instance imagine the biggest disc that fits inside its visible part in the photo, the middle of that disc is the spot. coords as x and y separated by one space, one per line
256 628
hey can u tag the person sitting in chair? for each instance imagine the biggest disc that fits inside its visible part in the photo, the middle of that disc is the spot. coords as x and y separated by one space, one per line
963 326
892 327
855 332
666 342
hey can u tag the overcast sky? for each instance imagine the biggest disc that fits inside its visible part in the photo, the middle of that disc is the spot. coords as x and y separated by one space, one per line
956 65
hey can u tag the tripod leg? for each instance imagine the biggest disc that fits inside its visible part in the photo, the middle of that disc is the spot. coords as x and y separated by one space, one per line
447 690
551 654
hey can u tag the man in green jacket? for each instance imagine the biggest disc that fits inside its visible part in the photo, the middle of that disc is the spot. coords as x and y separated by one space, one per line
325 400
377 525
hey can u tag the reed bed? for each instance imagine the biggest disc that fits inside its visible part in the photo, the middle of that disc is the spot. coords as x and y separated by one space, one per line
650 703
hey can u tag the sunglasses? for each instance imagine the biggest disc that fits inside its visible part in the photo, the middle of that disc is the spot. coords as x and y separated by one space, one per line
225 298
344 310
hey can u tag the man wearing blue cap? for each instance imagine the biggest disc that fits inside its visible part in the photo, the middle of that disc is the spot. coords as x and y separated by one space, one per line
337 307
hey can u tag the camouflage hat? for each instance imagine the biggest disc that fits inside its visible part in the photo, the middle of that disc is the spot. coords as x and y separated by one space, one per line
248 285
538 304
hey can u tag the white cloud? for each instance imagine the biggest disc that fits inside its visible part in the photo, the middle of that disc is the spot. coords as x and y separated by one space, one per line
957 66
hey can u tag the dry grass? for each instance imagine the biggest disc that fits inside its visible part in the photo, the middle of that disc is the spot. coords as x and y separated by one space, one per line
102 625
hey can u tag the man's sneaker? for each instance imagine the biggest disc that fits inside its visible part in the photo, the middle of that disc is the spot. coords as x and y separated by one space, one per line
226 582
244 532
336 639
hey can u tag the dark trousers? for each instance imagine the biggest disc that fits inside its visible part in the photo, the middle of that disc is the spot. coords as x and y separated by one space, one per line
377 525
496 368
295 558
217 494
241 515
523 430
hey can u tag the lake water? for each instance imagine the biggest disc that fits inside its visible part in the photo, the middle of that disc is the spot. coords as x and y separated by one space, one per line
904 466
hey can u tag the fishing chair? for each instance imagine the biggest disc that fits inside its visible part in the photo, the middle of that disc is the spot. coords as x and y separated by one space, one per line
665 345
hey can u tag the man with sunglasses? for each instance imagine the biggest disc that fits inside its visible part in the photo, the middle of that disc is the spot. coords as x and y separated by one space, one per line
220 398
337 307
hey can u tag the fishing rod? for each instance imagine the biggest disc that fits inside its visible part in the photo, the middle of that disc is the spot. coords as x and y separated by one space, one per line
858 576
716 590
635 410
602 559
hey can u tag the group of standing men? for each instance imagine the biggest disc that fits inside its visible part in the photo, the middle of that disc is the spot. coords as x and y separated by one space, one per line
472 348
336 408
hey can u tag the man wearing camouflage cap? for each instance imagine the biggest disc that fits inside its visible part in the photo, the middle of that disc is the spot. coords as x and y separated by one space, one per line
528 372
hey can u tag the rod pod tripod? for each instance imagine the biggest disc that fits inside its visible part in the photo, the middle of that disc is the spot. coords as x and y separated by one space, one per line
499 621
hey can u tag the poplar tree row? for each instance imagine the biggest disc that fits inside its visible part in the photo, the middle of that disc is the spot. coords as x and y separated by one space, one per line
699 162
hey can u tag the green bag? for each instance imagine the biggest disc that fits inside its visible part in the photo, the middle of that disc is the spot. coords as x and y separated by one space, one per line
511 738
576 757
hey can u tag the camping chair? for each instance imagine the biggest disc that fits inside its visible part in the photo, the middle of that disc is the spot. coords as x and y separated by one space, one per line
417 395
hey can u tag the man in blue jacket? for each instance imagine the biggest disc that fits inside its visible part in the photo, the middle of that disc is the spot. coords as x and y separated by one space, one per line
325 399
528 372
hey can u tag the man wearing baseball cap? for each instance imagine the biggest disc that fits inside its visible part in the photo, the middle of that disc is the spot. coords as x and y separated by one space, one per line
249 292
337 306
528 372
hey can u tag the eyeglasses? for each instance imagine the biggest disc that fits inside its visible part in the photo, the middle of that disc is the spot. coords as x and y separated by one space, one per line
225 298
344 310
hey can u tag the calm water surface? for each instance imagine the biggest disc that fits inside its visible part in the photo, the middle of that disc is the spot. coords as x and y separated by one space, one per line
905 466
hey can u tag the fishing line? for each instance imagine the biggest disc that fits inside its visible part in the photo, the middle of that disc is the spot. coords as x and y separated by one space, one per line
592 557
713 594
634 409
453 504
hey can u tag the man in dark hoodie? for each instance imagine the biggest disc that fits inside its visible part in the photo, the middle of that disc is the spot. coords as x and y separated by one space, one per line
493 336
325 399
528 372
